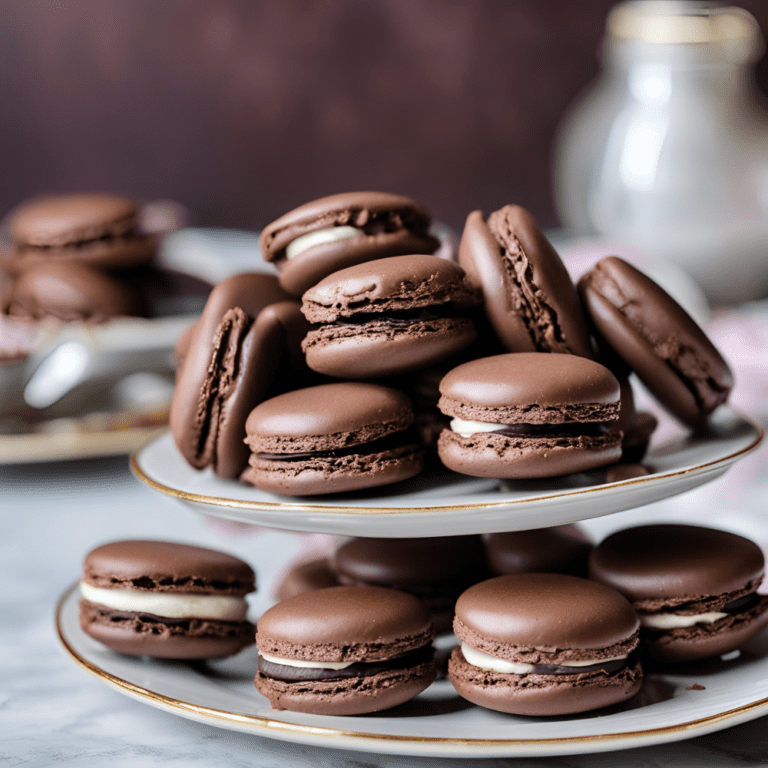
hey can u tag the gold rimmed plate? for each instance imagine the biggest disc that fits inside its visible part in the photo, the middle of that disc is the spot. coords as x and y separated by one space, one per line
674 704
444 503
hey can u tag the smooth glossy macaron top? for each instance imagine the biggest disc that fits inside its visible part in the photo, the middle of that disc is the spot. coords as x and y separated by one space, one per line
563 549
164 566
526 378
656 338
406 561
390 284
333 411
334 232
68 219
545 611
676 560
529 298
343 624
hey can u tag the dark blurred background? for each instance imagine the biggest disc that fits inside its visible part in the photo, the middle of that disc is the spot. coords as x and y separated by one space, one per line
242 110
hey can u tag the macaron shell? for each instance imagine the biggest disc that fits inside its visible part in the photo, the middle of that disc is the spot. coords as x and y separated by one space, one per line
664 561
66 219
353 696
333 411
321 476
704 641
514 458
558 322
532 378
192 639
345 624
304 576
657 338
377 349
541 695
251 292
534 616
164 566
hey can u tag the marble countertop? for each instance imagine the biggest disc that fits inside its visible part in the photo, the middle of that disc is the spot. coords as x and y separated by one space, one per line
53 713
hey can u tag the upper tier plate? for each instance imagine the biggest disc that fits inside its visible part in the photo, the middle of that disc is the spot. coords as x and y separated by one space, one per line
444 503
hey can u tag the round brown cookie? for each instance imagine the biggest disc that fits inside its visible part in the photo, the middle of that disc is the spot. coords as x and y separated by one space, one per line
388 316
435 569
70 291
563 549
641 323
344 651
305 576
332 438
528 415
544 644
529 298
96 229
694 588
233 363
167 600
339 231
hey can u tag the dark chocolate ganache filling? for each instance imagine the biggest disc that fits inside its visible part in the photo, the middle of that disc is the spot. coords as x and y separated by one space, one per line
588 429
386 443
741 605
358 669
606 667
150 618
403 317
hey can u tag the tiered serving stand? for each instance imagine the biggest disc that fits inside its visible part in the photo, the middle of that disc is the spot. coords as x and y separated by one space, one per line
672 705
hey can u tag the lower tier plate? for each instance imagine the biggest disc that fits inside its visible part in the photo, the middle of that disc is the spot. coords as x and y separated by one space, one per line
444 503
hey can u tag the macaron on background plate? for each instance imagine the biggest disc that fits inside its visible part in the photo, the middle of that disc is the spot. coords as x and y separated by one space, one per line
95 229
562 549
435 569
332 438
344 651
166 600
339 231
388 317
529 297
303 576
544 644
641 323
529 415
231 365
694 588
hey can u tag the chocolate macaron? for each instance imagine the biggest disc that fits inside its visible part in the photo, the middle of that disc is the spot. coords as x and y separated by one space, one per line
529 298
243 339
641 323
71 291
305 575
544 644
344 651
562 549
388 317
100 230
435 569
167 600
332 438
338 231
529 415
694 588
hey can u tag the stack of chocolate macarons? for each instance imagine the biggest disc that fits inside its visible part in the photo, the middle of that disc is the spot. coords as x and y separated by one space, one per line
529 376
75 257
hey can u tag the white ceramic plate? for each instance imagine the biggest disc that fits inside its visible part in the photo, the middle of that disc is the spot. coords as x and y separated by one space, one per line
446 503
438 722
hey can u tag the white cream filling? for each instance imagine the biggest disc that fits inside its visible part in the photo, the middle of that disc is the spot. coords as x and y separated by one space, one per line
674 620
468 428
320 236
167 605
492 663
306 664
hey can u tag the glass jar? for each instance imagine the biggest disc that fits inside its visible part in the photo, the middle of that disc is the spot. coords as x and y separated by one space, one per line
668 150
